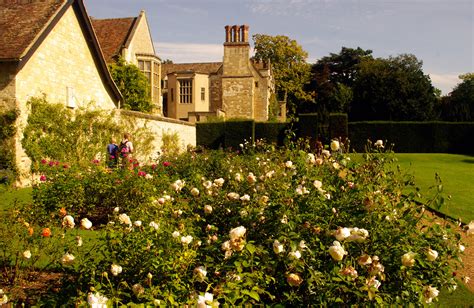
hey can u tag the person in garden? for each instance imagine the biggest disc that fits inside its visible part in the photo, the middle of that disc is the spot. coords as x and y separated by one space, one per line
126 149
113 153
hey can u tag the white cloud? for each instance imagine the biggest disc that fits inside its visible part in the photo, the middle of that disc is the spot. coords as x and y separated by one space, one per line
445 82
188 53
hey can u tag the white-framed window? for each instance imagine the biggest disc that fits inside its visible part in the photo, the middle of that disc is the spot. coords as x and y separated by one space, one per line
150 67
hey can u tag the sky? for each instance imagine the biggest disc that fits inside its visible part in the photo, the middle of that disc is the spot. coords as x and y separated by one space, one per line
438 32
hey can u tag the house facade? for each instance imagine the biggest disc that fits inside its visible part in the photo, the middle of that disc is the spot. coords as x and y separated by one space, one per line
49 48
130 38
238 87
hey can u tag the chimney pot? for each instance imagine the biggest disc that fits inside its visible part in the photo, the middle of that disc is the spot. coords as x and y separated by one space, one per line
228 35
235 34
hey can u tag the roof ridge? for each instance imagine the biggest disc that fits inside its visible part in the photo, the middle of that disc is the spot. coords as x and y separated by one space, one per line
115 18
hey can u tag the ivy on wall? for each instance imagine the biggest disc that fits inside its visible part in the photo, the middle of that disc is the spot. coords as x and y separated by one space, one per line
55 132
7 132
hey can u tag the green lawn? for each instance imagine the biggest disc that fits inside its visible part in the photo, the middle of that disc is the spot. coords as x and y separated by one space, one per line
457 175
9 196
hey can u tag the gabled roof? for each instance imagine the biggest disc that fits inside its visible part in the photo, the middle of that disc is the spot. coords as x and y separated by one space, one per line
25 24
202 68
113 34
21 24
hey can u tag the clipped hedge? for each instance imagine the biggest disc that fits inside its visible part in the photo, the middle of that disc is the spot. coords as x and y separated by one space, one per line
338 126
415 137
210 135
308 125
237 132
273 133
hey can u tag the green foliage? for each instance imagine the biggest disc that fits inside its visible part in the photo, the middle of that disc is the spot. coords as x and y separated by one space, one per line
338 128
257 228
238 131
415 137
459 104
333 78
272 133
392 89
170 143
288 60
75 137
210 135
133 85
7 133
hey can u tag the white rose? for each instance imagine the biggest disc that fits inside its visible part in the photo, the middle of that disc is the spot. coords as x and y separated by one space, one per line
207 184
68 221
219 182
336 251
3 298
238 177
470 228
200 272
175 234
358 235
342 233
115 269
226 246
27 254
289 164
237 233
137 223
205 301
461 248
86 223
116 209
318 184
429 293
245 198
138 289
326 153
97 300
295 254
251 178
302 245
154 225
124 219
207 209
278 247
408 259
148 176
335 145
379 143
233 196
431 255
67 259
311 159
185 240
195 192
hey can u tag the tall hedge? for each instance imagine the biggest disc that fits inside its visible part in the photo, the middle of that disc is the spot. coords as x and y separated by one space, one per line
338 125
237 132
272 132
415 137
210 135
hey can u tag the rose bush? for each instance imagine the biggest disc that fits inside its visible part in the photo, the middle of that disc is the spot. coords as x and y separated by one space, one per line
258 226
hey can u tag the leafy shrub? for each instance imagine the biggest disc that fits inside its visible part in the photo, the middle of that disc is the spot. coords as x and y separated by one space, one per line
267 226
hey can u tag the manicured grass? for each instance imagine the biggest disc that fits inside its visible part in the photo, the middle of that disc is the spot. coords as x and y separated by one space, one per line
8 197
462 297
457 175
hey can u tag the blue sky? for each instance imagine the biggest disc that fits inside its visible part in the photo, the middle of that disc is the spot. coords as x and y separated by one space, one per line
438 32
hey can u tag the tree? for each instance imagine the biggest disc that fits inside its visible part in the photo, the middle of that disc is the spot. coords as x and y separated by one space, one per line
133 85
290 70
333 76
392 89
458 106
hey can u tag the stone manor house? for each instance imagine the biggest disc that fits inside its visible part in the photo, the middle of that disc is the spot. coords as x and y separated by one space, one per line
54 48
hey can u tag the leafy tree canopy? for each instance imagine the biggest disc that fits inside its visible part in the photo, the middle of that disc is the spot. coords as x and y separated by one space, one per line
133 85
392 89
288 60
459 104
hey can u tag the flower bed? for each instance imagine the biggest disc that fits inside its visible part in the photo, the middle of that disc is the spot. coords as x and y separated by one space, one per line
258 226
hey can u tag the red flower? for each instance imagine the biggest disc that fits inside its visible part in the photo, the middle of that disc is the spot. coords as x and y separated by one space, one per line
43 178
65 166
46 232
51 163
153 166
96 161
44 161
166 163
141 173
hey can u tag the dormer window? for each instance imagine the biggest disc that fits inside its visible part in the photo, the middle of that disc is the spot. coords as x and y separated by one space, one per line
150 66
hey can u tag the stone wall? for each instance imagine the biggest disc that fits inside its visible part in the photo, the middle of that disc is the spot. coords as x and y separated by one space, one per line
161 125
237 97
141 42
7 85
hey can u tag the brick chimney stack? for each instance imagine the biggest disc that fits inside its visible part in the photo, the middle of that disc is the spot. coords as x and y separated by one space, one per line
236 34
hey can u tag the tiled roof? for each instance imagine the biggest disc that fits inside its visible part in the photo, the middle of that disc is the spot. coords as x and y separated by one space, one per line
203 68
112 34
21 23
